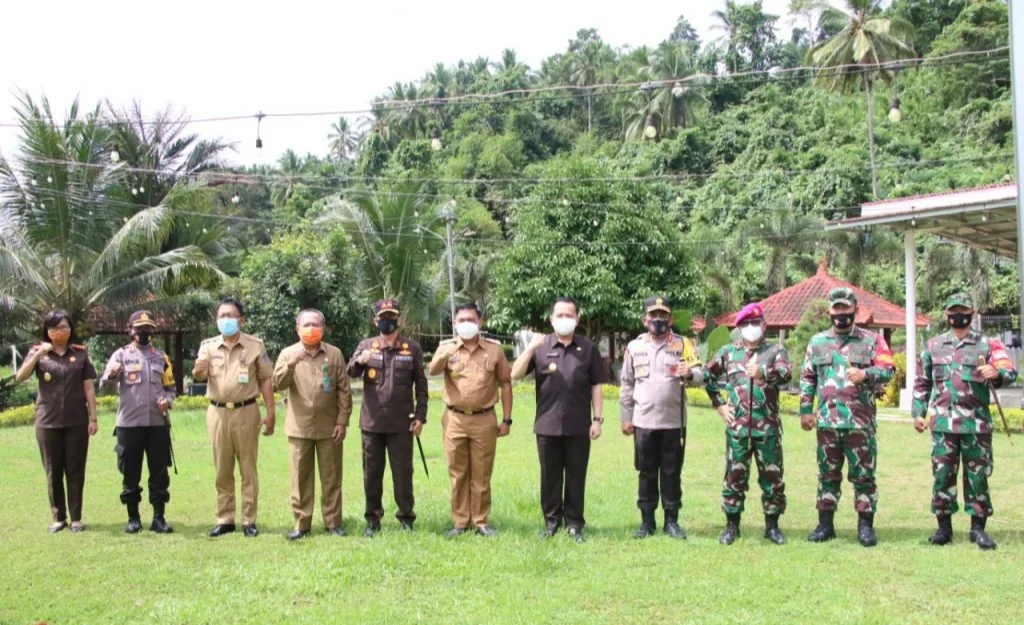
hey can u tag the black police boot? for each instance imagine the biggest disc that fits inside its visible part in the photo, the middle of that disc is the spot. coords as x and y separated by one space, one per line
866 530
978 535
772 531
672 527
648 526
159 524
943 535
732 529
826 530
134 521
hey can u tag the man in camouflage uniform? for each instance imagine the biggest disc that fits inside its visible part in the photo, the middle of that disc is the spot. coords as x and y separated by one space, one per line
842 368
753 428
953 376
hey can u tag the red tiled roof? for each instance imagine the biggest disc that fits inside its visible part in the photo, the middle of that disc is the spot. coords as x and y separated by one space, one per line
784 309
698 324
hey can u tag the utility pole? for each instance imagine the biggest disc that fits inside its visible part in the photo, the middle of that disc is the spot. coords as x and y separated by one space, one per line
1017 82
449 217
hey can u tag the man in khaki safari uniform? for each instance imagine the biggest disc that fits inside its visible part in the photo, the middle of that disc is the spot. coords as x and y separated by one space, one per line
237 370
313 374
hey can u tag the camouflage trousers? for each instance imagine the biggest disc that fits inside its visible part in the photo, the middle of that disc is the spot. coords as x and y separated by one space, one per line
860 449
767 452
976 452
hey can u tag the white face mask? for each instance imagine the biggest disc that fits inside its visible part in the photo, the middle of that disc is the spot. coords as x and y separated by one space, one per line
564 326
467 330
751 334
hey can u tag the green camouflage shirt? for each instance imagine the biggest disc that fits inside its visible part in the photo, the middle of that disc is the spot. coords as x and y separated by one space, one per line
946 382
841 404
731 362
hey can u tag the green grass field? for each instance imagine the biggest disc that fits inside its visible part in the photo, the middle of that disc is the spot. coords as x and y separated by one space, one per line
105 576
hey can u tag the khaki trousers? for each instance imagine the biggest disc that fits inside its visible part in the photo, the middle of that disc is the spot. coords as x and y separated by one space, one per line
305 453
235 435
469 444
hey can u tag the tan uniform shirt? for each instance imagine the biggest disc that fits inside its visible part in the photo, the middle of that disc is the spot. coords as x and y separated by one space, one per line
472 377
235 370
319 393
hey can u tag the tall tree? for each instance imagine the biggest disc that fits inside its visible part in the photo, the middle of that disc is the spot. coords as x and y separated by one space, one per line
856 56
344 142
584 66
784 232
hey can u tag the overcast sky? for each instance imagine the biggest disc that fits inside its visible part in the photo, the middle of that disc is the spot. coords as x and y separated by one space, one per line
224 57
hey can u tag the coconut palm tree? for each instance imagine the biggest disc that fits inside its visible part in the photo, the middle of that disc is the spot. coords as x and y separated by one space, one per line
728 25
584 67
291 168
344 142
785 232
866 39
73 236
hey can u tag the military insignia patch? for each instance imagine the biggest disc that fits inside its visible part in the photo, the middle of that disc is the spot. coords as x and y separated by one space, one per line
371 373
72 359
47 376
552 367
405 346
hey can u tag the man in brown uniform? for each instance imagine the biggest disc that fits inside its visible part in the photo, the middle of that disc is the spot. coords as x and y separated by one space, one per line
391 367
237 370
473 368
319 405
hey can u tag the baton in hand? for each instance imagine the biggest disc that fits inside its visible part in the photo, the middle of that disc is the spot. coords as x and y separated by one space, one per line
419 444
995 398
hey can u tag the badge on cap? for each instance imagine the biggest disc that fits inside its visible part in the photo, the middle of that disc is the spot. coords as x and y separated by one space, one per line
47 376
552 367
659 302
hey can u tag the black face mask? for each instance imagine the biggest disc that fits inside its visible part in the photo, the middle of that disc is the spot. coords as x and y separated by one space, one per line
959 320
387 325
657 327
843 321
143 337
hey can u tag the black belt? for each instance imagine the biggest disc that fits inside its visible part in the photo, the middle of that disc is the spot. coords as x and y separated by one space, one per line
231 405
470 413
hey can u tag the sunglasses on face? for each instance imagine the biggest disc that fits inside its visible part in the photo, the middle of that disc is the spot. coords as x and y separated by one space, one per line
746 323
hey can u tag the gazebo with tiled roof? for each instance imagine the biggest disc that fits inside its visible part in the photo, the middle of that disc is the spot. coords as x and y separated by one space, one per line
783 310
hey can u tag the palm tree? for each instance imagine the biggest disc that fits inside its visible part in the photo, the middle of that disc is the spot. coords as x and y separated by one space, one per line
583 70
785 232
72 236
291 168
344 143
728 25
673 92
866 39
946 262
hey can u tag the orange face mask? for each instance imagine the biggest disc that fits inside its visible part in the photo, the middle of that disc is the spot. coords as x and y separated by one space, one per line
311 336
59 336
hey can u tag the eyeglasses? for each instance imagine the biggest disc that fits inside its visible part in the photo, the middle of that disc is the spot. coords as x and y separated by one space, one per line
746 323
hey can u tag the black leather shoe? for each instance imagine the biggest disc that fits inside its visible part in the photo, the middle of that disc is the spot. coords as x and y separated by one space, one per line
372 530
672 527
250 531
486 531
731 531
772 531
221 529
550 530
979 536
405 526
826 530
77 529
576 533
160 526
866 530
455 532
134 526
56 527
648 526
337 531
943 535
297 534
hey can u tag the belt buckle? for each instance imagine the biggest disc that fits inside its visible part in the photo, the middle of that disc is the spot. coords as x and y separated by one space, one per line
230 405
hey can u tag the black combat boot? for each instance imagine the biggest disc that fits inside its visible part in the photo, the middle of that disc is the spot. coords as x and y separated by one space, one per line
672 527
866 530
978 535
134 521
648 526
772 531
732 529
826 530
159 524
943 535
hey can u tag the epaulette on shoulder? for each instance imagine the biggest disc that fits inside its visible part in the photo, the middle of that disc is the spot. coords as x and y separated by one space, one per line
78 347
209 340
447 342
490 340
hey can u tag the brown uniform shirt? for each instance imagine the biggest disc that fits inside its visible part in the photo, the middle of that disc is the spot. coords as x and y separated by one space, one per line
565 376
390 380
61 399
145 378
472 377
319 393
235 371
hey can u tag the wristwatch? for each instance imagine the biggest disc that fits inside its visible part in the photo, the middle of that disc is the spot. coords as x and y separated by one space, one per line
507 421
599 420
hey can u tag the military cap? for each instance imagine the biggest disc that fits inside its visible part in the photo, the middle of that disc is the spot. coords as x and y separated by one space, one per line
657 302
141 318
386 305
960 299
842 295
750 311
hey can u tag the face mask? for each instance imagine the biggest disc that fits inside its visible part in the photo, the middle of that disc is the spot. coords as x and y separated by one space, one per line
564 326
843 321
467 330
311 336
386 325
143 338
228 327
59 337
751 334
959 320
657 327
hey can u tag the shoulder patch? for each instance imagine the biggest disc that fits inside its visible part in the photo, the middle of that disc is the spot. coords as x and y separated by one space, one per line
78 347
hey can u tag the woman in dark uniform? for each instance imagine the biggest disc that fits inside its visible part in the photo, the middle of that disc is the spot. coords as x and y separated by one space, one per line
65 414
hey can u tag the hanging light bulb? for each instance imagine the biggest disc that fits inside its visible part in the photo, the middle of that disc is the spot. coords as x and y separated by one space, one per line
259 120
677 90
565 202
135 191
435 140
204 230
595 222
42 205
34 182
984 216
114 156
895 116
913 222
49 179
142 189
650 130
235 199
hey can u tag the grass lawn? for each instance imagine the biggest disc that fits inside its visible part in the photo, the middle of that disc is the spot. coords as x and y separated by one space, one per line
105 576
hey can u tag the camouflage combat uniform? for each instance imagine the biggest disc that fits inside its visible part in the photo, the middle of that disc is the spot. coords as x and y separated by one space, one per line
731 362
846 411
961 423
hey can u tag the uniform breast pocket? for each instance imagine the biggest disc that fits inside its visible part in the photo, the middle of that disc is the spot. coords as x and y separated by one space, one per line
372 375
860 357
133 373
156 374
821 358
403 372
736 372
940 368
641 368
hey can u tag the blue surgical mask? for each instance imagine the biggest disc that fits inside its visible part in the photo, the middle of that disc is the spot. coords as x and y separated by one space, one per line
228 327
